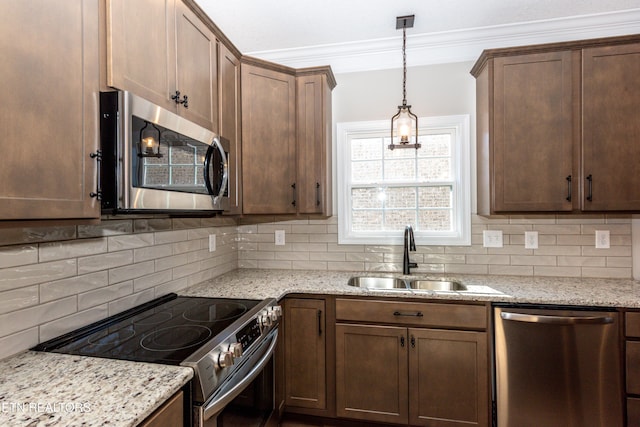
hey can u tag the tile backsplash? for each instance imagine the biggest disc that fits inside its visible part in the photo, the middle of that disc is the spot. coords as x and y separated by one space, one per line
56 279
566 248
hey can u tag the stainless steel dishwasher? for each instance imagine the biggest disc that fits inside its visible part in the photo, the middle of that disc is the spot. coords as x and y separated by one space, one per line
557 368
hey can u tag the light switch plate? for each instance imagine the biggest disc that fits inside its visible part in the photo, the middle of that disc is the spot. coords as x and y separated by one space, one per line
279 236
602 239
212 242
531 240
492 238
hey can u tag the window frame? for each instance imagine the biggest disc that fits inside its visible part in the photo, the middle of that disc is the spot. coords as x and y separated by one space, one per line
461 198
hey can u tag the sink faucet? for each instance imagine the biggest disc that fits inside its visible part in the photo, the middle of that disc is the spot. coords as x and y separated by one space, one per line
409 245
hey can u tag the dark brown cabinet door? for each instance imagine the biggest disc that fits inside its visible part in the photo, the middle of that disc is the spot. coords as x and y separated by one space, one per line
196 69
305 353
268 141
533 133
611 128
448 378
229 113
314 144
372 373
49 113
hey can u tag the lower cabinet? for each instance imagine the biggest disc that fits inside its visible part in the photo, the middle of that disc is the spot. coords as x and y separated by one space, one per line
171 413
632 363
405 373
305 353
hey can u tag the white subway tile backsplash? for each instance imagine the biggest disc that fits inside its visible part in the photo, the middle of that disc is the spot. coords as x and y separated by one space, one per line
133 271
105 228
130 301
18 299
151 280
32 274
69 323
510 270
93 263
130 241
12 256
73 285
171 236
71 249
152 252
18 342
614 273
104 295
26 318
557 271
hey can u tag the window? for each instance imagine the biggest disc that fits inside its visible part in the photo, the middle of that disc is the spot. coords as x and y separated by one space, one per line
380 191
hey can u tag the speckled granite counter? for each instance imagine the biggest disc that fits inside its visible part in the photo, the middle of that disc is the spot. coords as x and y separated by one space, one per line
247 283
49 389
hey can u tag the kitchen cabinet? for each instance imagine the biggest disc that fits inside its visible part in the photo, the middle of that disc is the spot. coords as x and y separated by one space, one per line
305 353
632 363
556 127
50 78
162 51
230 121
399 362
286 139
313 111
268 139
171 413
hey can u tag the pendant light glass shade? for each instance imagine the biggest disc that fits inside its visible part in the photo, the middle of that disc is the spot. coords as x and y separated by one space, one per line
149 143
404 124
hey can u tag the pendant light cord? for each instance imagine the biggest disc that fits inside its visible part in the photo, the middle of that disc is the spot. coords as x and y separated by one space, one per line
404 63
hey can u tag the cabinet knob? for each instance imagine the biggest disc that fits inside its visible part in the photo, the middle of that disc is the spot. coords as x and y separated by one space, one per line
176 97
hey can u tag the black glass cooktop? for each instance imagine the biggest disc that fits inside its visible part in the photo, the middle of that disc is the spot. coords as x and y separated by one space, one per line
166 330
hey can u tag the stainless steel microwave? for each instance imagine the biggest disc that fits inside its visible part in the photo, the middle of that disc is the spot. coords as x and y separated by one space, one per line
153 160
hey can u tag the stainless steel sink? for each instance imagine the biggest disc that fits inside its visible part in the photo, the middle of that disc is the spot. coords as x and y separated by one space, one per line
436 285
383 283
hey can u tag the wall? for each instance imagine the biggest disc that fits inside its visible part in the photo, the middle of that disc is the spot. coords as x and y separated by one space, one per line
56 279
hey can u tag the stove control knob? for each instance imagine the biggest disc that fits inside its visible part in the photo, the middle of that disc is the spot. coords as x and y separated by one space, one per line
264 318
235 349
225 359
272 314
278 310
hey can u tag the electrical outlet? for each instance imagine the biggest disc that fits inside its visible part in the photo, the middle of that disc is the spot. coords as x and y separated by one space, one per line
212 242
492 238
531 240
279 237
602 239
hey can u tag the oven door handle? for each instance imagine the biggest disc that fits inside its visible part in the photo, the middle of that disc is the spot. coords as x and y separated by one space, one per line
218 403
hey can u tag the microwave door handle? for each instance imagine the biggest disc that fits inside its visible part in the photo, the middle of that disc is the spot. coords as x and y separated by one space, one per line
225 170
207 175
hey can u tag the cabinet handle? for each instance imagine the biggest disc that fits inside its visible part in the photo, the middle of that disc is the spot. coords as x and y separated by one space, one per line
176 97
317 194
413 341
293 186
569 188
590 191
98 193
319 323
185 101
415 314
402 341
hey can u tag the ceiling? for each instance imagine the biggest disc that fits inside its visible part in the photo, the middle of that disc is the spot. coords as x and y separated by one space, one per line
356 35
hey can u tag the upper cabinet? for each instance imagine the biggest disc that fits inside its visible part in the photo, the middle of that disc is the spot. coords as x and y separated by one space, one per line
50 118
556 127
286 139
162 51
268 140
230 121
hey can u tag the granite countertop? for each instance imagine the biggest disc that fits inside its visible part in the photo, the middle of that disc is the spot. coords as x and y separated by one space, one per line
50 389
254 283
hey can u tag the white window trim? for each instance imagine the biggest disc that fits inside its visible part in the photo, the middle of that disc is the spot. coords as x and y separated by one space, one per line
462 171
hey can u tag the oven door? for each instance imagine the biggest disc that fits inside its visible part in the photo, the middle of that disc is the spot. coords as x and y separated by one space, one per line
246 398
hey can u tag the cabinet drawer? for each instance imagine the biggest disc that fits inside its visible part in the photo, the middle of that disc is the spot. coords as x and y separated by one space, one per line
412 313
632 324
633 412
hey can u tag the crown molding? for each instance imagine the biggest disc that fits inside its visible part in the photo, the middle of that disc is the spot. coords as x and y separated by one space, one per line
454 46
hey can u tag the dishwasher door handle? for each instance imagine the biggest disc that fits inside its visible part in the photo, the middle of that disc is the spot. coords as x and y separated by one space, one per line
556 320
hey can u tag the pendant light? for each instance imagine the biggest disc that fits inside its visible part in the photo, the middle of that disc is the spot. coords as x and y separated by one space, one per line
404 123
